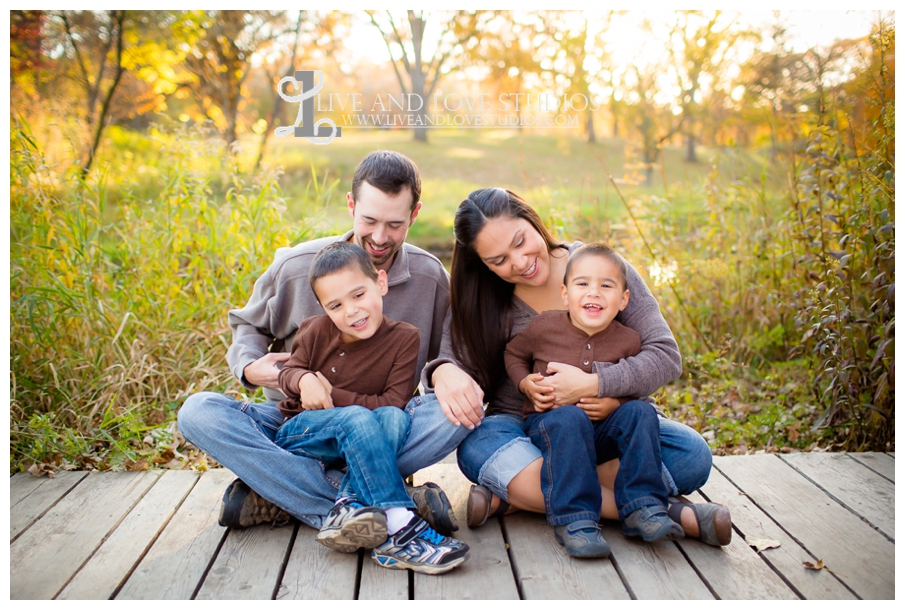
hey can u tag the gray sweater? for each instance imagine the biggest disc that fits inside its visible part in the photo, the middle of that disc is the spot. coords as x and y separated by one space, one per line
418 294
658 363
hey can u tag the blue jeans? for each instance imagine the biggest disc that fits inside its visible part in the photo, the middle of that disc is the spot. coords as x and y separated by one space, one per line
240 436
572 446
368 441
499 449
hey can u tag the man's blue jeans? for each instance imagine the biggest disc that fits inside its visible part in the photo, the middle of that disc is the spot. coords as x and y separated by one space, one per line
572 446
368 441
240 436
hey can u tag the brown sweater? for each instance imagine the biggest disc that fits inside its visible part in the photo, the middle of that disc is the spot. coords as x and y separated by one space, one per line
374 372
551 337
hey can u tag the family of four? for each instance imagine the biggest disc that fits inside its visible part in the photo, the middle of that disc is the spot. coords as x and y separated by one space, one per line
536 358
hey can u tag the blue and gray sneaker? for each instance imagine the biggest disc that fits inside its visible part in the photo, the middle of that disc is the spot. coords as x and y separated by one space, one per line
351 525
419 548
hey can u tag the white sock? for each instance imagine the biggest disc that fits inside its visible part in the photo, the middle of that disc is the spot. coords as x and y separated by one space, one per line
397 518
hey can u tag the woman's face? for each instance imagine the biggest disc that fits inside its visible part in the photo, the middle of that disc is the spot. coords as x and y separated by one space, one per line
514 250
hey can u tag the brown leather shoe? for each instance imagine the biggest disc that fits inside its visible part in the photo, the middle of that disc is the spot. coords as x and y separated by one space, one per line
478 507
243 507
714 520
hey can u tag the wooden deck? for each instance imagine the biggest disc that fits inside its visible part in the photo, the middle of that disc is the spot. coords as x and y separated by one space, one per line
154 535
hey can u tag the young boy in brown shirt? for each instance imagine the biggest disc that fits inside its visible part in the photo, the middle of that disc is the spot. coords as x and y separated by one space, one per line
349 373
594 291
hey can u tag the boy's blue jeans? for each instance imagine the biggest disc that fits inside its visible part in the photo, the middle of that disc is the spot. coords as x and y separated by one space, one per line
367 440
572 446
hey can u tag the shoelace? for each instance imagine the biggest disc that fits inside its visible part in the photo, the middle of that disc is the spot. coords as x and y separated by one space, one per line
431 536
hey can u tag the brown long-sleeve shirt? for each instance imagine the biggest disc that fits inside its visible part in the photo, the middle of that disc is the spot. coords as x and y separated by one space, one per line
374 372
551 337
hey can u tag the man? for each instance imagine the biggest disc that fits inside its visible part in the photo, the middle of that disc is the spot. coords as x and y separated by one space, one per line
384 202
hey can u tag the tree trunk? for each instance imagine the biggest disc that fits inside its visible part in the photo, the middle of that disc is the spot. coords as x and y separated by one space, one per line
690 154
592 136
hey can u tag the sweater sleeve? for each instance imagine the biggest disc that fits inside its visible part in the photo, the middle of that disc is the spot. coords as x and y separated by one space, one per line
400 384
519 355
297 366
658 362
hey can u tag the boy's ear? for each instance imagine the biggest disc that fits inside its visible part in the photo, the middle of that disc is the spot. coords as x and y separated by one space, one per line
624 302
351 203
382 282
565 295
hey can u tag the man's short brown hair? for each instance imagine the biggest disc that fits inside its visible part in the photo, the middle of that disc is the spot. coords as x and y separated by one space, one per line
390 172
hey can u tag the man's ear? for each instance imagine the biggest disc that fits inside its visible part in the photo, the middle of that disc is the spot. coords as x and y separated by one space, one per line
351 203
382 282
415 213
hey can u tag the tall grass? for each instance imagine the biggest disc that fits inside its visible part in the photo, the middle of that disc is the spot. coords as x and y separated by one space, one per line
114 322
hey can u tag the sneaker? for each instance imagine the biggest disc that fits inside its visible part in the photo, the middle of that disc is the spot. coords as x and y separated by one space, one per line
434 507
652 523
419 548
582 539
351 525
243 507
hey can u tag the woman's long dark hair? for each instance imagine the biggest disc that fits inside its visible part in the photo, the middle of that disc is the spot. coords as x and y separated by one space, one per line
481 302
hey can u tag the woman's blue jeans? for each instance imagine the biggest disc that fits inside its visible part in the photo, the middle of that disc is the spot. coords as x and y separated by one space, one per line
572 446
368 441
497 450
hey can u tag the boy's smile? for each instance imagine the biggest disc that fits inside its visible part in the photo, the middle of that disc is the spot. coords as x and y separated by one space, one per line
353 301
594 293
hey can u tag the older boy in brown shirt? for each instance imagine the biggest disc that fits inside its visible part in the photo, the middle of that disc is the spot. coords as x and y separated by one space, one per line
594 291
348 372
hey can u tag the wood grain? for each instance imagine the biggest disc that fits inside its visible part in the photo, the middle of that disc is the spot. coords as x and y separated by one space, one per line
31 496
113 561
46 555
881 463
316 572
860 556
175 564
788 557
859 488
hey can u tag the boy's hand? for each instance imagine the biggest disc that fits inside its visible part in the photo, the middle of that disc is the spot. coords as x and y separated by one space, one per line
541 397
598 409
568 383
314 395
264 372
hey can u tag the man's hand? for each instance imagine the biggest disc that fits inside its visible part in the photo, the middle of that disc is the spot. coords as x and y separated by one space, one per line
568 383
598 408
314 394
541 397
461 398
264 371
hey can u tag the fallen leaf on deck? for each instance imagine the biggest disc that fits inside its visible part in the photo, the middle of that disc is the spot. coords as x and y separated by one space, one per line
814 566
762 544
38 470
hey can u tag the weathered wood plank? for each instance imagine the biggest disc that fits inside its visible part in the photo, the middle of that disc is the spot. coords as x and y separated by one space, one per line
857 487
46 555
487 574
788 558
99 578
31 496
734 571
176 562
653 570
859 555
545 571
380 583
248 564
316 572
881 463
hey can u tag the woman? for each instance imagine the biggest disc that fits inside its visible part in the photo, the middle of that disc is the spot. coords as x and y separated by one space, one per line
506 269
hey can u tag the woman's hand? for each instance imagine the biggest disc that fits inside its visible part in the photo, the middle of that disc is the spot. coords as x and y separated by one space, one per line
461 398
313 394
568 383
541 397
598 408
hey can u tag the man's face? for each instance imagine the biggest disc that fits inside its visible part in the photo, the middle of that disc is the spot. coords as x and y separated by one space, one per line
381 222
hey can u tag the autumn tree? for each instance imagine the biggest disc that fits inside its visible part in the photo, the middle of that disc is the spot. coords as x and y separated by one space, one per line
404 38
